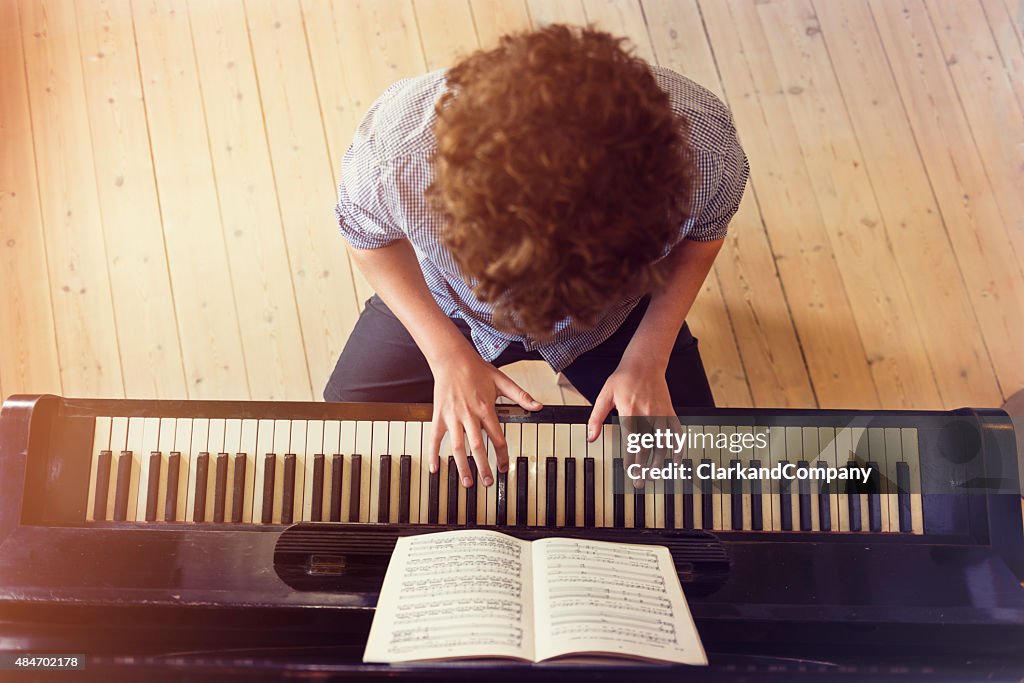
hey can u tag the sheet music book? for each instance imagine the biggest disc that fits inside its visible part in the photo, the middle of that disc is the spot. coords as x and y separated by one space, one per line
480 593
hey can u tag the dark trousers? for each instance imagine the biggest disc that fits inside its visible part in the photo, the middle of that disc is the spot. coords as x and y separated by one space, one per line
382 364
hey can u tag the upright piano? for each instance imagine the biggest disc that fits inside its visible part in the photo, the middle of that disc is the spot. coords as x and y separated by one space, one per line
185 539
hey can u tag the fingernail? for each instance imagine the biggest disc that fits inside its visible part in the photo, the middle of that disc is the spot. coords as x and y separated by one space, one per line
433 468
535 404
467 481
488 481
503 468
590 432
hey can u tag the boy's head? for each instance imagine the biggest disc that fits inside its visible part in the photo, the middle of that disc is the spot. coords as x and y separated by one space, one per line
563 175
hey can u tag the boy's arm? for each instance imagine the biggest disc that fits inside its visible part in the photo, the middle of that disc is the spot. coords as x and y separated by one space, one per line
465 386
638 387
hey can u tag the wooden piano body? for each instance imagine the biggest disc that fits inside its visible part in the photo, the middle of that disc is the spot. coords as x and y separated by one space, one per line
248 597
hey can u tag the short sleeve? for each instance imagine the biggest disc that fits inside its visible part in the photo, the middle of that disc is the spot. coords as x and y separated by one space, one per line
721 198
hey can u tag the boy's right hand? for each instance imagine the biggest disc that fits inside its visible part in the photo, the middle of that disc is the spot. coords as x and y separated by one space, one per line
465 390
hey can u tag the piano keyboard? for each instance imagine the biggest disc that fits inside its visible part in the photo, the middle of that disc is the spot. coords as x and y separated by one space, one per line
261 471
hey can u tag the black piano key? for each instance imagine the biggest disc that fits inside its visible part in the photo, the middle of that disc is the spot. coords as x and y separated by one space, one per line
171 504
269 467
670 498
874 499
220 491
736 500
238 489
618 494
551 494
756 513
804 498
639 509
316 503
354 481
433 496
688 494
288 494
153 486
589 493
471 493
337 479
903 496
384 489
453 491
853 501
123 483
570 491
404 488
522 491
824 504
99 507
501 507
707 513
785 501
202 475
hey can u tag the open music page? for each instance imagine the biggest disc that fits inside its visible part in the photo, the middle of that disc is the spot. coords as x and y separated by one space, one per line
592 597
455 594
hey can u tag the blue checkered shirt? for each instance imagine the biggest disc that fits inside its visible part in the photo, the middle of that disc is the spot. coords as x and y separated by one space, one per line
387 169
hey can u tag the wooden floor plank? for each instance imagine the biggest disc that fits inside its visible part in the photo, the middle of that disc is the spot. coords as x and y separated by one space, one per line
446 29
968 204
544 12
495 18
922 251
147 329
622 18
83 314
320 270
28 354
776 373
267 310
196 253
854 223
995 117
1007 33
822 314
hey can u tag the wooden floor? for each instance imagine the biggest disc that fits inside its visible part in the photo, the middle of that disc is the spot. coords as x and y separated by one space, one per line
168 171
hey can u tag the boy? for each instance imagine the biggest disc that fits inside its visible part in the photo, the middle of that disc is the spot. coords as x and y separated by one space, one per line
553 198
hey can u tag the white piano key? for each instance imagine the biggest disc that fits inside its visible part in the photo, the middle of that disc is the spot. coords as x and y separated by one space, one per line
701 486
423 508
611 449
314 446
183 427
893 455
232 446
827 453
297 447
761 454
264 445
595 450
215 446
365 447
378 447
531 444
488 498
197 445
165 445
396 447
912 457
248 445
718 486
348 448
150 444
136 442
118 443
561 449
844 454
100 442
513 437
776 454
417 470
745 455
442 487
876 447
861 449
794 454
282 446
579 448
810 454
676 487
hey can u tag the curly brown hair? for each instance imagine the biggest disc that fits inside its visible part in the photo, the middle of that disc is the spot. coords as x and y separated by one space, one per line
562 173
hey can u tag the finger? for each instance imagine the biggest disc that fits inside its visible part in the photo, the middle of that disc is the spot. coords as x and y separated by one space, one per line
497 436
602 406
514 392
474 436
437 430
459 451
